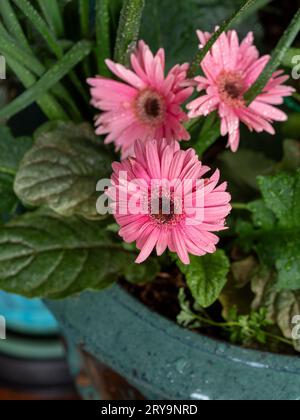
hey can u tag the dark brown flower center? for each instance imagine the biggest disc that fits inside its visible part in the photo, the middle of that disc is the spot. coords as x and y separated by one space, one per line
233 90
150 107
163 210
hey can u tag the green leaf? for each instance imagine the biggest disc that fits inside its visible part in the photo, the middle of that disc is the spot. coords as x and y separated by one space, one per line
16 53
62 169
12 150
277 57
8 200
49 36
209 133
103 48
50 79
40 25
262 216
281 194
206 277
23 63
10 47
281 306
52 14
84 13
129 27
276 228
48 104
44 255
187 317
12 23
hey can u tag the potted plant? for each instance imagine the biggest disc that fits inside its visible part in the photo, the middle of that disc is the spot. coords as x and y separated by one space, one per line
179 229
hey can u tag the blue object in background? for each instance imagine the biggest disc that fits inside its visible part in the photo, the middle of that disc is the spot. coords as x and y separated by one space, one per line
26 316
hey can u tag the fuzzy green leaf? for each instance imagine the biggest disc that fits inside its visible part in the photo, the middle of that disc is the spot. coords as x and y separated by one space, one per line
206 277
281 306
44 255
61 171
276 227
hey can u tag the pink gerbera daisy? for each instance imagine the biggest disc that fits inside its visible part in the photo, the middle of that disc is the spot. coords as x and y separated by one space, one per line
146 104
181 218
230 69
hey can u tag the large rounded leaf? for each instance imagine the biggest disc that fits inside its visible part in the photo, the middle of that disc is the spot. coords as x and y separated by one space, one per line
62 169
43 254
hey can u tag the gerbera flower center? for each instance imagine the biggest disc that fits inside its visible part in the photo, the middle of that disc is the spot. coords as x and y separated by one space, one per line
150 107
231 88
165 210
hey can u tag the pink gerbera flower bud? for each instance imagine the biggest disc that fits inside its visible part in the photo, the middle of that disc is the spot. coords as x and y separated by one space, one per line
230 69
161 200
145 105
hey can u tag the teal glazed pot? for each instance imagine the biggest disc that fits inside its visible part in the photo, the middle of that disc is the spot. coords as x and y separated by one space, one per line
163 361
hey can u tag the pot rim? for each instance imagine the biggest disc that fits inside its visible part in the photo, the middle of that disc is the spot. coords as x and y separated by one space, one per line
159 357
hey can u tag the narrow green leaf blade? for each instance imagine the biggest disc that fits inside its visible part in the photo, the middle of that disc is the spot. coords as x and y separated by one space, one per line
40 25
84 14
129 27
50 79
12 23
52 14
48 104
103 47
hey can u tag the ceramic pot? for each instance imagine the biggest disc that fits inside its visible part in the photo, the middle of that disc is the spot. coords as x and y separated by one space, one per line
162 361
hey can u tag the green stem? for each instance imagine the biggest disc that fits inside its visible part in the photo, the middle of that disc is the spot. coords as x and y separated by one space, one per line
280 339
277 57
195 66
